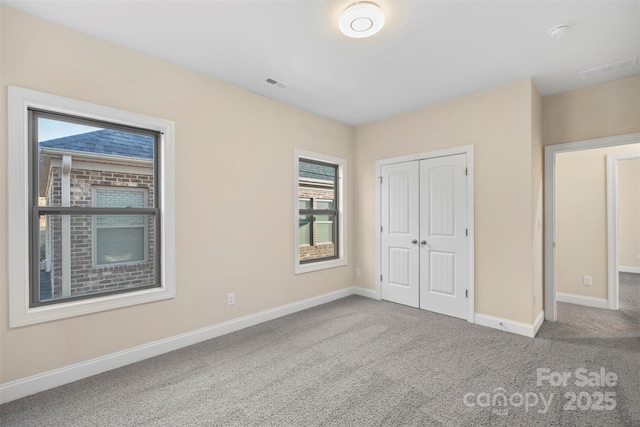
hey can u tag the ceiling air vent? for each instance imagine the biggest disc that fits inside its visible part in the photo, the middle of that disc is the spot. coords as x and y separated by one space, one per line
593 72
276 83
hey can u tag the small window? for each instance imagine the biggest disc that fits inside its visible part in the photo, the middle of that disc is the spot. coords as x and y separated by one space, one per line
120 239
319 212
87 210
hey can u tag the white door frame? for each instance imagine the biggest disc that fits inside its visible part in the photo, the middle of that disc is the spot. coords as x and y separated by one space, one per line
612 223
550 267
465 149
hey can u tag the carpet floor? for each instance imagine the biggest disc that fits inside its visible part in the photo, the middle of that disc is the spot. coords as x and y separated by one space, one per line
360 362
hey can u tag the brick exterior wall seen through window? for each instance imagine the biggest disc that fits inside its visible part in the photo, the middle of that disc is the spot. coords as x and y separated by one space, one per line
86 277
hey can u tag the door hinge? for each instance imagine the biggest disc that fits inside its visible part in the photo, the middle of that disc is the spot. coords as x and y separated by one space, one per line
381 229
466 171
466 232
380 178
381 277
466 293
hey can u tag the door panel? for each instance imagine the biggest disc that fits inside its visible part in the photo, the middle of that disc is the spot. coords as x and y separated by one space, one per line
443 219
399 218
442 275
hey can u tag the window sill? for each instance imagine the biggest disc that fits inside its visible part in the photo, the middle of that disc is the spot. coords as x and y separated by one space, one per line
320 265
64 310
120 266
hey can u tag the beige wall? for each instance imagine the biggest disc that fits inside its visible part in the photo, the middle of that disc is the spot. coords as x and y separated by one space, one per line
499 123
581 220
629 213
596 111
234 157
537 185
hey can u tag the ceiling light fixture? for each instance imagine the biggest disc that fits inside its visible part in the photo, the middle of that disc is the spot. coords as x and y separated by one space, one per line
559 31
361 20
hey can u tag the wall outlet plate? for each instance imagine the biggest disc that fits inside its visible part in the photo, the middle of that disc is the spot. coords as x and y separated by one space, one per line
231 298
587 281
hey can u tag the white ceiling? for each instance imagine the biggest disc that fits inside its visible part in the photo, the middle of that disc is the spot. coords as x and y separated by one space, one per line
428 51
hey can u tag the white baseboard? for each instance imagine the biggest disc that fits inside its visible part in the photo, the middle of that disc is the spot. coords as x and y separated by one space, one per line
623 269
365 292
57 377
538 323
512 326
582 300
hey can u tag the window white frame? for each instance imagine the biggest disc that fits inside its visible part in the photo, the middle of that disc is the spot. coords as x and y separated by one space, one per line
95 227
342 212
20 101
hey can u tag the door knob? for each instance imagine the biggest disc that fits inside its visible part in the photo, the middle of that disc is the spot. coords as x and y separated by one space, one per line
424 242
414 241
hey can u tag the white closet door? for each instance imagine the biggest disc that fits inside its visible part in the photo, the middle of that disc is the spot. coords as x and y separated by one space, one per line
443 225
400 232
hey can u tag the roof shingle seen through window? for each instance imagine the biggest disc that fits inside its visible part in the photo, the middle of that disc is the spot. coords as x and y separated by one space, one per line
315 171
106 141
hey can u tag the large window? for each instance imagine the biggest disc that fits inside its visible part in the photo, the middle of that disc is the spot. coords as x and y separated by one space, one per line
319 211
88 209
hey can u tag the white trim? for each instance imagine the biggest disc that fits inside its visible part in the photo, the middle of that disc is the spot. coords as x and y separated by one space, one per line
612 224
469 151
57 377
19 101
65 255
511 326
538 323
550 266
366 292
623 269
97 157
582 300
300 268
139 169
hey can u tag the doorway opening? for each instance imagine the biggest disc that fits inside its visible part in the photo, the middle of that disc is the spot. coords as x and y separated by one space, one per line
570 273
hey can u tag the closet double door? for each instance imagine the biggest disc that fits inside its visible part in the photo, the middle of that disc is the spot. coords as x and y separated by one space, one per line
424 234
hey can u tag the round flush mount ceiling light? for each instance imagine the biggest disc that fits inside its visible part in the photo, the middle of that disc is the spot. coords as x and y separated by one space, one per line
361 20
559 31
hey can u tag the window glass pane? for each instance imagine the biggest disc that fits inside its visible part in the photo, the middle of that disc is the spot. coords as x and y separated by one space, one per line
119 198
316 181
73 158
325 204
120 245
324 229
305 230
304 204
128 254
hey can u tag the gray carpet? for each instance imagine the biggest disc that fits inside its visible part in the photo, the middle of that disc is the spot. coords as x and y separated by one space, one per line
360 362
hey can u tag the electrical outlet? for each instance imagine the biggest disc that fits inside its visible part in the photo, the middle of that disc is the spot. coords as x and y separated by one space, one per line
587 281
231 298
358 272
